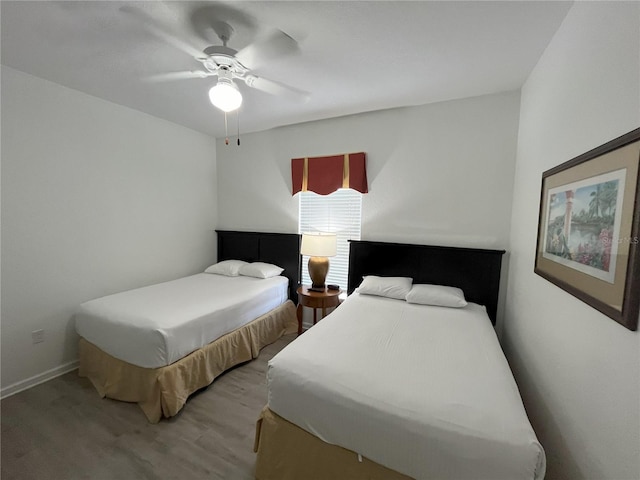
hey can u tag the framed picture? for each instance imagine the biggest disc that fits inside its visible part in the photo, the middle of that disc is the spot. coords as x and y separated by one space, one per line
589 228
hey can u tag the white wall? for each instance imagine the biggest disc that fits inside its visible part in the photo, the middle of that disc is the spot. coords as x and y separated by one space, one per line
439 173
96 198
578 370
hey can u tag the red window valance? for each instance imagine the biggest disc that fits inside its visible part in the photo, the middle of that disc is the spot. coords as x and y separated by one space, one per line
325 175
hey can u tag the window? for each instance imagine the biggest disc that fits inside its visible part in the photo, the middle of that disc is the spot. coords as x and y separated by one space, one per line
339 212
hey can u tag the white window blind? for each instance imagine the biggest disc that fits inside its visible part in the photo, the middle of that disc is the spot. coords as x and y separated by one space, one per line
339 213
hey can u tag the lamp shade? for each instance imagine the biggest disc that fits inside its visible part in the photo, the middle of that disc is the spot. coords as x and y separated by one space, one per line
319 244
225 95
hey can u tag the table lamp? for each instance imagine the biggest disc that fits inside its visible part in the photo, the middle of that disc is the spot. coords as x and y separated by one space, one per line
318 246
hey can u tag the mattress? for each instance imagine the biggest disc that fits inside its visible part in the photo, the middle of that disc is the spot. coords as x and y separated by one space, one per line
157 325
422 390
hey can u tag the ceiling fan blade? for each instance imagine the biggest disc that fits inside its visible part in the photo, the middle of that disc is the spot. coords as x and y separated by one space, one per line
213 20
171 76
277 88
164 33
268 47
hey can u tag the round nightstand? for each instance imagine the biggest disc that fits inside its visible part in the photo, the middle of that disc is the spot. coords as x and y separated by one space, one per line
307 298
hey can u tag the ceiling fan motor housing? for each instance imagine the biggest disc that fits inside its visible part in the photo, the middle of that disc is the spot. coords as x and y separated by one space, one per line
219 56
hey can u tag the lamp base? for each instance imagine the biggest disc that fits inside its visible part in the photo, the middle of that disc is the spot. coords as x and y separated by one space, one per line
318 269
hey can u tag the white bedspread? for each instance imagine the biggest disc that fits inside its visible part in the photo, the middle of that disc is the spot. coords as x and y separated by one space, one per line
423 390
157 325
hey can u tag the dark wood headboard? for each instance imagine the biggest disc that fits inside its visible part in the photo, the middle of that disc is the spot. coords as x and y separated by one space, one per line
475 271
282 249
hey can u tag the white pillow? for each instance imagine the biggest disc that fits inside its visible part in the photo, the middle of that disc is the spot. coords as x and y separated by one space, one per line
260 270
391 287
230 268
438 295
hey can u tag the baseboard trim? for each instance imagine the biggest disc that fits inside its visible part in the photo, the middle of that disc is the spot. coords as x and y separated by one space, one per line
38 379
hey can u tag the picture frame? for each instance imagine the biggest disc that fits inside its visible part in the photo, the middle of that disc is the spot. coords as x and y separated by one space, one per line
589 228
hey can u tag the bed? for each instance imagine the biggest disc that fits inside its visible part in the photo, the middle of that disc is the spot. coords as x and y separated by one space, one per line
158 344
385 389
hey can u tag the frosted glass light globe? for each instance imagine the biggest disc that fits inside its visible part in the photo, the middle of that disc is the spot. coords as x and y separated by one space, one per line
225 96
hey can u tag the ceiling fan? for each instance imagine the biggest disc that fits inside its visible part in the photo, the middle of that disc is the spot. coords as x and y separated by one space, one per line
224 62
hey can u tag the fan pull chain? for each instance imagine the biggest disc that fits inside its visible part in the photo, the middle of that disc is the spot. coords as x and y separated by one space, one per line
238 118
226 130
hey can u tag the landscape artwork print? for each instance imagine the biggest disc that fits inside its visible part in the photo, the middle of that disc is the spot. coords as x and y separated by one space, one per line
583 224
588 240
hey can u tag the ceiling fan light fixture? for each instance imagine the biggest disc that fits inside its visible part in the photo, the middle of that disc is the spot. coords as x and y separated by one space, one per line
225 95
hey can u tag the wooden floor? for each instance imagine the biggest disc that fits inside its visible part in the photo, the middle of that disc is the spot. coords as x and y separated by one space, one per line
62 429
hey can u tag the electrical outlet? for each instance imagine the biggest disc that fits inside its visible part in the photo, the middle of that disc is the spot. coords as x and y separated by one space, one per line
37 336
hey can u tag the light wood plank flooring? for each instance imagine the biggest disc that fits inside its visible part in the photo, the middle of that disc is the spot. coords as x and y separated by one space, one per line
62 429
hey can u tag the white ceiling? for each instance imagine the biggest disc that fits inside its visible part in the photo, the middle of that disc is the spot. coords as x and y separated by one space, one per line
355 56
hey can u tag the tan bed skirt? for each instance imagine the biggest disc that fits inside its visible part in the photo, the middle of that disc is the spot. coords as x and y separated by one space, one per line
287 452
163 391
